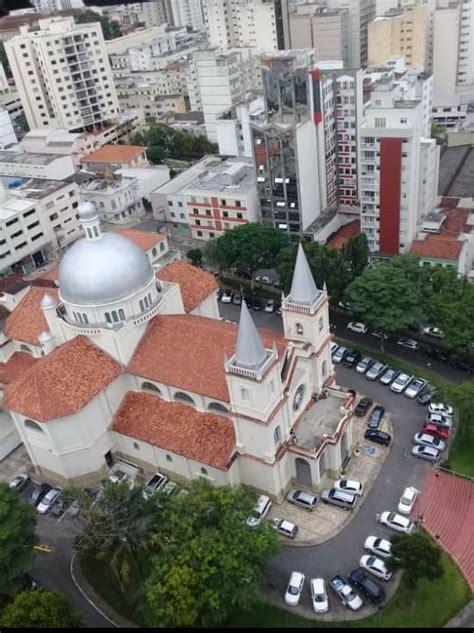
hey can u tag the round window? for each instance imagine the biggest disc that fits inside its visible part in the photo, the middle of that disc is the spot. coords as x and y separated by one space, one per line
299 397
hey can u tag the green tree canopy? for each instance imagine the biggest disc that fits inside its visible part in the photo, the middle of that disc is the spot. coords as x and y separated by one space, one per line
110 28
417 555
4 60
17 538
164 141
209 564
39 610
195 255
356 251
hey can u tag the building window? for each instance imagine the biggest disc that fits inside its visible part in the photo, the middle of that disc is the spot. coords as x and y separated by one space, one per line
135 446
179 396
321 323
277 436
245 394
204 472
107 317
33 425
85 319
299 328
169 458
121 314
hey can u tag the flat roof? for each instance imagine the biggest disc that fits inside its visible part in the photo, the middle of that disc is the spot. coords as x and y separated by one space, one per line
27 158
456 172
36 188
175 185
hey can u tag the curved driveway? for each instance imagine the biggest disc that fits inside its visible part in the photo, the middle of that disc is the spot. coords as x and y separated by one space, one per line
342 553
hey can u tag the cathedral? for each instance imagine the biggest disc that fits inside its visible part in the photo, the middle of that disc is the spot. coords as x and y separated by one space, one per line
127 359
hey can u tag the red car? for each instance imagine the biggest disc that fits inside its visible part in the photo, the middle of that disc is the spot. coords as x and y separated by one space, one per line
433 429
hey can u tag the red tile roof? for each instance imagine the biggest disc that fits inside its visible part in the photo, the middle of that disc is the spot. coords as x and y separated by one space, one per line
114 154
436 248
339 239
205 437
26 322
143 239
63 382
51 275
195 284
16 365
187 351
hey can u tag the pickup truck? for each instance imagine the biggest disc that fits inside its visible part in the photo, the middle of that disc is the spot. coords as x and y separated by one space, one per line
345 592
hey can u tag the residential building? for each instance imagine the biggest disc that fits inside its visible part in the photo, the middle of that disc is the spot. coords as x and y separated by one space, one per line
313 26
188 13
361 13
10 24
113 157
7 132
138 37
405 32
148 100
148 178
30 165
63 75
233 126
116 198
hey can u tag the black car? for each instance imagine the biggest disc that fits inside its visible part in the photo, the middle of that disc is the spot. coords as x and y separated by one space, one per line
436 354
363 406
38 493
461 364
244 273
352 358
366 586
219 293
426 394
379 437
29 583
256 305
376 417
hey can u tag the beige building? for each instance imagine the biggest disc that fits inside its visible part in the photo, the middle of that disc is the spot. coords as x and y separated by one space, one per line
402 32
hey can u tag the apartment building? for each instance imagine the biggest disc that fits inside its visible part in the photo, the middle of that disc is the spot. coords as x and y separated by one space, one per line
33 165
150 100
361 13
63 75
37 219
233 126
7 132
117 199
188 13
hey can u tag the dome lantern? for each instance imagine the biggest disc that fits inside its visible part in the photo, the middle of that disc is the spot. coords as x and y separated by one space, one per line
89 218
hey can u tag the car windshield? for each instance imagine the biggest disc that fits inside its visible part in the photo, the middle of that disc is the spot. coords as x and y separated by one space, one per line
319 597
293 590
416 384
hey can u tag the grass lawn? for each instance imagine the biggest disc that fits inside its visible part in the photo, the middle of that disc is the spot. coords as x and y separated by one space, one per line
430 605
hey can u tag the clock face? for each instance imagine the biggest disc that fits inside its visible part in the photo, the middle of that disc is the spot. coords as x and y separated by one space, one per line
299 396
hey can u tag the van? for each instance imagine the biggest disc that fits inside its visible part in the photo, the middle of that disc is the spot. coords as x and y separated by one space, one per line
260 510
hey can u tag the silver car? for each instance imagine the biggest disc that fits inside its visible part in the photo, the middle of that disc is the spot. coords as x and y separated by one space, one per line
388 376
364 364
303 499
377 369
339 354
424 439
400 383
414 388
428 453
339 498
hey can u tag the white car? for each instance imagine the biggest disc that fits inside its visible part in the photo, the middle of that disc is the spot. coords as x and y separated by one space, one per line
407 500
364 364
428 453
414 388
334 347
379 546
285 527
397 522
435 332
294 589
351 486
439 407
401 382
408 343
357 327
227 296
319 595
430 440
118 476
270 305
48 500
440 419
375 371
339 354
375 566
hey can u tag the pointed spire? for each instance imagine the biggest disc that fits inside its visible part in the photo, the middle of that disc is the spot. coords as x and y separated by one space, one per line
303 288
250 352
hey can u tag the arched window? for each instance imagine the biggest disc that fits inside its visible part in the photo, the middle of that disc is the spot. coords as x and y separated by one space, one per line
86 320
25 348
140 303
179 396
96 232
217 406
162 246
169 458
135 446
325 368
114 316
245 394
121 314
89 232
33 425
321 323
79 316
204 472
149 299
154 252
149 386
107 317
299 328
277 436
145 301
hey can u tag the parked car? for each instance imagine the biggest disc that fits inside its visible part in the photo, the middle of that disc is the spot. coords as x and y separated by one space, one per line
245 273
119 476
344 306
351 486
408 343
38 493
434 429
339 354
319 595
154 484
435 332
227 296
364 364
351 358
344 591
376 417
407 500
264 279
363 406
303 499
378 437
367 587
59 507
260 511
426 439
461 363
375 371
380 334
334 347
286 528
440 420
237 300
375 566
401 382
19 482
427 453
255 304
440 407
75 508
414 388
426 394
270 305
294 589
219 293
30 584
48 500
278 308
170 488
436 354
357 327
379 546
338 498
388 376
396 522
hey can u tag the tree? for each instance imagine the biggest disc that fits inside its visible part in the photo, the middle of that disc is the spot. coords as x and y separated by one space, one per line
4 60
164 141
110 28
21 123
252 246
417 555
327 265
155 154
39 609
195 255
439 132
357 252
209 563
17 538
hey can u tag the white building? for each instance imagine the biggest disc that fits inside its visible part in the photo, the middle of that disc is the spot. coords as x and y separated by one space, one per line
148 178
188 13
116 382
32 165
361 12
7 132
62 74
117 199
233 126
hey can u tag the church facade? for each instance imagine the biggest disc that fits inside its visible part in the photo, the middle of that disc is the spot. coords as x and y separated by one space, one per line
125 360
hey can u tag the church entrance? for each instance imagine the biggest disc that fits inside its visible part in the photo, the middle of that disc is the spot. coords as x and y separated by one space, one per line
303 472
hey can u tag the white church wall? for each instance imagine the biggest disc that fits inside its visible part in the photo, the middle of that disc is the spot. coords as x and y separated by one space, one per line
208 308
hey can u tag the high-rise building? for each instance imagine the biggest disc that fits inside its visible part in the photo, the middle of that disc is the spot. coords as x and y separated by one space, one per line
361 12
187 13
254 23
63 75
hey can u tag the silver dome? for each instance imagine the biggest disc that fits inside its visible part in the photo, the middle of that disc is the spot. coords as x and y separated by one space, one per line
87 211
103 271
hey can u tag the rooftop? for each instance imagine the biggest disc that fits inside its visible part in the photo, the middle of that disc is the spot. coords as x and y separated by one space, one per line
445 244
205 437
114 154
26 158
26 322
319 419
180 182
456 172
195 284
339 239
35 189
232 175
143 239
